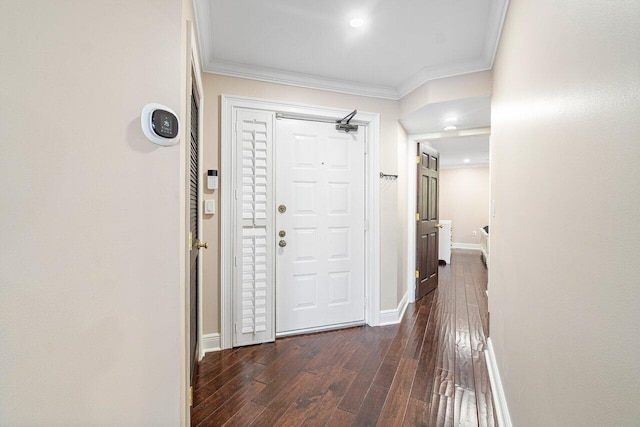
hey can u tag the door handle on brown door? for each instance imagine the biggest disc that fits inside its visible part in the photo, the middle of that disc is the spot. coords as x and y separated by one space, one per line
199 245
439 225
282 243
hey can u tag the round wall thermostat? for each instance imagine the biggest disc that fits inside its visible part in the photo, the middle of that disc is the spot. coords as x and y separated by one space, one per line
160 124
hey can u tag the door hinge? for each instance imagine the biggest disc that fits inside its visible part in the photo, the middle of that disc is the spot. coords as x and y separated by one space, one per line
235 261
236 327
366 226
417 216
417 274
417 159
190 396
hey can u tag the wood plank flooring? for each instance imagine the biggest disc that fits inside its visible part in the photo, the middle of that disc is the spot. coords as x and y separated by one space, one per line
429 370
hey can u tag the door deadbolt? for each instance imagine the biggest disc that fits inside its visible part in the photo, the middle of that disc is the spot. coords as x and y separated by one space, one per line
282 208
282 243
282 233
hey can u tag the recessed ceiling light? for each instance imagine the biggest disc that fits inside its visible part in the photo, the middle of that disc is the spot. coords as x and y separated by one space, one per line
451 127
467 160
451 119
356 22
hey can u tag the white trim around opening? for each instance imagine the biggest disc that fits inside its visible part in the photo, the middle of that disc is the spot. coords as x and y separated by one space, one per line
371 121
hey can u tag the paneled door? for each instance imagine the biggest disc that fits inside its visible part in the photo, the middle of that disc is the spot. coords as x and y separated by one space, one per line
428 163
320 221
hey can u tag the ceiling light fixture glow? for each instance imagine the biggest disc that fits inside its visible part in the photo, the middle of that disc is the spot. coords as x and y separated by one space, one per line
451 119
467 160
450 127
356 22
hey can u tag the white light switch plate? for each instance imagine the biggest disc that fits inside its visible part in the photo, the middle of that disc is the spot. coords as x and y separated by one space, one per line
209 207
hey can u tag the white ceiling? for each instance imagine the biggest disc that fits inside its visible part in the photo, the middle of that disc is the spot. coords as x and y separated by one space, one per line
468 113
454 151
403 43
465 113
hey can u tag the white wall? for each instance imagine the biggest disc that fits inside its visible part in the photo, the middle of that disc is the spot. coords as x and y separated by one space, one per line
401 227
91 214
447 89
565 294
464 199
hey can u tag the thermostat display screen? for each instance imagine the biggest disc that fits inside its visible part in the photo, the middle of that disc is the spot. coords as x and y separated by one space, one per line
164 124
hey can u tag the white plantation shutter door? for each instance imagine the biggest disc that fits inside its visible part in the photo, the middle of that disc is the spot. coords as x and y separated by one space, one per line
253 284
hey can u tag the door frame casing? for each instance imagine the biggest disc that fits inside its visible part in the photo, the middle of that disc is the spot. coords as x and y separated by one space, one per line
371 122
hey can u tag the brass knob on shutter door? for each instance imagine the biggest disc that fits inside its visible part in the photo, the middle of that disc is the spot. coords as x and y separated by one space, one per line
282 233
282 208
282 243
199 245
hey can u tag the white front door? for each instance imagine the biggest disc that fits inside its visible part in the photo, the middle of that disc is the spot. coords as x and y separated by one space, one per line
320 255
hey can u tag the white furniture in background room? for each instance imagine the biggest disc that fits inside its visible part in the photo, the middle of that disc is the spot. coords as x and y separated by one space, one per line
444 241
484 246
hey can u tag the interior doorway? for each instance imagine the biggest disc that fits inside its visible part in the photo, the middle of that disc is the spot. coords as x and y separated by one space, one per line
456 152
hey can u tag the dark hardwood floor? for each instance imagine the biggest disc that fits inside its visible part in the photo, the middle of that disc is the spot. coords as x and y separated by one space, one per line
429 370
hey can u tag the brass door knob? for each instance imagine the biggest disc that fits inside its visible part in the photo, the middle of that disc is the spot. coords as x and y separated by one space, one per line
282 233
282 243
199 245
439 225
282 208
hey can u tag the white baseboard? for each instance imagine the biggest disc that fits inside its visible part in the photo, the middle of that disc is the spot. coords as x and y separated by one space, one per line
472 246
499 399
391 317
210 342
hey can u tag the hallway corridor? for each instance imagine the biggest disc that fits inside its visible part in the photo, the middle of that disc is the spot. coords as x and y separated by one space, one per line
429 370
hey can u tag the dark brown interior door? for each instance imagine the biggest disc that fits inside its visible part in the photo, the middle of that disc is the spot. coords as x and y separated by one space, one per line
193 231
427 221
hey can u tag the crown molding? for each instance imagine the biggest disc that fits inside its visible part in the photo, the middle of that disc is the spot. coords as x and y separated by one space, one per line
427 74
494 33
202 11
298 79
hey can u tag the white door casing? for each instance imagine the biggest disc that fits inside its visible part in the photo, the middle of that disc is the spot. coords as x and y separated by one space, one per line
320 272
231 207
